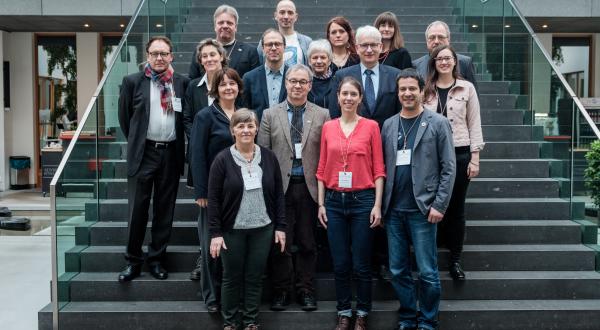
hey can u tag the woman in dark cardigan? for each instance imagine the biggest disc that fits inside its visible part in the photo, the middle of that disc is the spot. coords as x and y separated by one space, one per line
210 134
394 54
319 60
246 205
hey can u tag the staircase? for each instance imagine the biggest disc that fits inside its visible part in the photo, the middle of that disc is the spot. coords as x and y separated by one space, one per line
525 262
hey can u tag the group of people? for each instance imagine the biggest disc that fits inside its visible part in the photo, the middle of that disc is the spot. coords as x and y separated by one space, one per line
347 133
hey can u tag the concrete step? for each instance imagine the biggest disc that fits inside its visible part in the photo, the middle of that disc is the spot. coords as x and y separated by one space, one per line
511 150
480 285
573 314
246 11
496 132
502 117
182 258
516 168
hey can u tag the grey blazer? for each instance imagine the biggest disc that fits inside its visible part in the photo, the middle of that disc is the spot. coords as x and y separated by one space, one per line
465 67
433 161
274 133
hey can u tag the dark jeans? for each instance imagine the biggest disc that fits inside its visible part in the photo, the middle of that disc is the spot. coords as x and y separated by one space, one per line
159 173
350 242
402 229
244 264
301 217
452 228
212 269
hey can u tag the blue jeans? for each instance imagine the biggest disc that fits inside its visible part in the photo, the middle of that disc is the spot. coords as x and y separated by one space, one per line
404 228
350 241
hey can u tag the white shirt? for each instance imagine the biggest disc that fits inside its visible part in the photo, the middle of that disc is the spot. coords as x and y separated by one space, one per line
161 125
204 80
293 52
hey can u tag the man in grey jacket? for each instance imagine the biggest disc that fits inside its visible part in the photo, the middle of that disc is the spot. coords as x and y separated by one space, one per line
420 170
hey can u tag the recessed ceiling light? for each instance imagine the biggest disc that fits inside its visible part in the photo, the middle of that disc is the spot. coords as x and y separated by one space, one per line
545 26
159 25
507 26
86 25
122 25
474 26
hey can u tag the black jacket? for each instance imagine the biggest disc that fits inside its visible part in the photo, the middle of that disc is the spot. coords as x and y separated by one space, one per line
226 187
397 58
256 95
196 98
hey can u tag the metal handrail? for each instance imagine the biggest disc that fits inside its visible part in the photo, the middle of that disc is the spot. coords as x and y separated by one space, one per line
66 156
560 76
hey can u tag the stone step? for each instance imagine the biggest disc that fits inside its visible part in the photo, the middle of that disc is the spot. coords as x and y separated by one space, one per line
506 133
269 6
572 314
247 12
502 117
480 285
528 257
517 168
511 150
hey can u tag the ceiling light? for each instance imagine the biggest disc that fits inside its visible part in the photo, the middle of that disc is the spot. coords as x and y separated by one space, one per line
474 26
159 25
507 26
122 25
545 26
86 25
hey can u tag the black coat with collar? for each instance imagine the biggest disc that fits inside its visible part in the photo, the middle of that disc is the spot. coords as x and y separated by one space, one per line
242 58
196 98
134 116
386 102
256 96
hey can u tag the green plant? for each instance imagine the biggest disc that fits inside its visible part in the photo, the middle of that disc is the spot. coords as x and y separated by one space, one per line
592 172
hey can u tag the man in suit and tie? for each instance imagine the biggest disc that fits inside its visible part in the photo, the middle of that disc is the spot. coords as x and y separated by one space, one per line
438 33
264 86
241 56
420 170
292 129
378 80
150 106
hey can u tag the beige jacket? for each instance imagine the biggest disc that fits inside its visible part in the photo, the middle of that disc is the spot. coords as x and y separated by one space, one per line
463 113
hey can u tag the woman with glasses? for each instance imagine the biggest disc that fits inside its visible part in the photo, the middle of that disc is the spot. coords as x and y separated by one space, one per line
341 38
319 61
456 99
350 178
393 54
210 134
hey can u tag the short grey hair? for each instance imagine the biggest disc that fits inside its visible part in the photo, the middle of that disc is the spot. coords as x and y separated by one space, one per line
434 23
320 46
367 31
299 67
226 9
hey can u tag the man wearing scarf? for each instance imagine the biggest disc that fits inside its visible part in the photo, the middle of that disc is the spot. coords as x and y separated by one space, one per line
150 116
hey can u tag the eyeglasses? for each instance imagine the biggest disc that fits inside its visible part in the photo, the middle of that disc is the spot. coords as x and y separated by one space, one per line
444 59
274 44
366 46
439 37
301 82
157 54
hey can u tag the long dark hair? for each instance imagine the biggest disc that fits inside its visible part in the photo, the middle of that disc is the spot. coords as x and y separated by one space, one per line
391 19
345 24
433 75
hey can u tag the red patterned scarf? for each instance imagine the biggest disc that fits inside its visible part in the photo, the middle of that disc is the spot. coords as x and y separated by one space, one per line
164 81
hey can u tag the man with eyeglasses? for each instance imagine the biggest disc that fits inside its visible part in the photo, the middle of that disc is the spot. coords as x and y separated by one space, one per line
264 86
296 43
378 80
242 57
150 116
292 129
438 33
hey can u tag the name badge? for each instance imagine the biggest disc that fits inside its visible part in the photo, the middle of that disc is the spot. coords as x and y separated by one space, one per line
252 182
298 150
176 102
403 157
345 180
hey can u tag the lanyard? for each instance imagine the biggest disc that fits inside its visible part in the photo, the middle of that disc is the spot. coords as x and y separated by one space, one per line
410 129
443 109
348 143
232 48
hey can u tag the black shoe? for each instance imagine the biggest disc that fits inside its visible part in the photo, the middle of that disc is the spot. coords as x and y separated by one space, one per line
158 272
307 301
456 272
196 274
130 272
213 307
402 327
280 302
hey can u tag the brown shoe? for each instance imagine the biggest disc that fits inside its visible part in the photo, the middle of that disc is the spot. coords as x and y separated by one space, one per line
343 323
361 323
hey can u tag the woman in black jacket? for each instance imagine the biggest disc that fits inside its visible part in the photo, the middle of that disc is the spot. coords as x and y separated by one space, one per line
394 54
245 205
210 134
319 60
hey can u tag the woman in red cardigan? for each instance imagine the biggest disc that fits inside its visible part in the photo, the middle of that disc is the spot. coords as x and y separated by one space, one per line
350 179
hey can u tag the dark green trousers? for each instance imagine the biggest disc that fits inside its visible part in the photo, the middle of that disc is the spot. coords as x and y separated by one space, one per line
244 264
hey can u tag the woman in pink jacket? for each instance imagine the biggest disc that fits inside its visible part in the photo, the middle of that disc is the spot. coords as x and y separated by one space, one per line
456 99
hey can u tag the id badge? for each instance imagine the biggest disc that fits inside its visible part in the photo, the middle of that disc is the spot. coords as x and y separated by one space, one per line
176 102
252 182
403 157
345 180
298 150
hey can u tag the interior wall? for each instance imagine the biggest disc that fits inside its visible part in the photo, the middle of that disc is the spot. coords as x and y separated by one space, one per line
596 54
3 137
87 69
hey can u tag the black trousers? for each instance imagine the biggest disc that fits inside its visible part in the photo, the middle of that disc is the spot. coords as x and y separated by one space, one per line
451 231
157 179
301 217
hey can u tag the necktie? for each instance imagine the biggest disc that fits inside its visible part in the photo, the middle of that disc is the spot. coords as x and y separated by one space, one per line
370 91
296 132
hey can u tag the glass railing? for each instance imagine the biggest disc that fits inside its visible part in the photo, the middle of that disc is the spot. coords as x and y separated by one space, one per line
506 50
91 177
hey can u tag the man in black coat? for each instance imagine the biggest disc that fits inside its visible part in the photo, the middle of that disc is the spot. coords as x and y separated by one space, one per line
150 106
241 56
438 33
